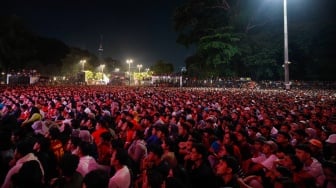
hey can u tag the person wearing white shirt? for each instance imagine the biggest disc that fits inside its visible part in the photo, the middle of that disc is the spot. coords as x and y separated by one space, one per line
122 176
311 165
86 162
267 162
23 153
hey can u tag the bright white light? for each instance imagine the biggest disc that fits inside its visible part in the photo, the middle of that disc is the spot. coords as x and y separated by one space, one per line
139 67
102 67
129 61
82 62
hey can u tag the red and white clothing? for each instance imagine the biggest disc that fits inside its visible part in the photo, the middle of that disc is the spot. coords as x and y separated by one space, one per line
24 115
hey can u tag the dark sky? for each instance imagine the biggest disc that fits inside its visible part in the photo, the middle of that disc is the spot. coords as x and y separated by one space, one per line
137 29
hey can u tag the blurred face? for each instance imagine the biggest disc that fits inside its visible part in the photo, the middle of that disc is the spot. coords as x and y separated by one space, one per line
180 130
250 132
69 146
189 144
30 104
13 138
98 126
297 137
128 118
226 139
287 162
88 123
264 131
280 155
222 151
153 131
144 121
239 137
281 139
222 168
173 120
151 156
234 116
268 122
284 129
159 134
294 127
301 154
313 117
257 146
163 145
266 149
194 156
324 136
241 121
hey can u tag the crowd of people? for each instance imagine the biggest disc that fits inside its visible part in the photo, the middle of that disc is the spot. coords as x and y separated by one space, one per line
155 137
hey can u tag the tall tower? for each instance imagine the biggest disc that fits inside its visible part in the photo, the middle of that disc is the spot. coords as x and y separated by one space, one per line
100 49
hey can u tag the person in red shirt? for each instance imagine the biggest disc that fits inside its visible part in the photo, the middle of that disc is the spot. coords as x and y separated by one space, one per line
130 131
101 127
51 112
130 118
24 113
56 145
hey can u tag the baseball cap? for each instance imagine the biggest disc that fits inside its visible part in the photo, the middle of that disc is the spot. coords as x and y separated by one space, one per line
316 143
331 139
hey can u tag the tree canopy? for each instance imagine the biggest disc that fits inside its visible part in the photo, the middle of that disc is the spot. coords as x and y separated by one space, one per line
245 38
161 67
22 49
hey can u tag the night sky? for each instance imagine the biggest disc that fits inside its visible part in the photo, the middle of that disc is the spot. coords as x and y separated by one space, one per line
137 29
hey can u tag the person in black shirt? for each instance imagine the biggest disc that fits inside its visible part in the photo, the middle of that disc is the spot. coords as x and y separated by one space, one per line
200 172
226 171
157 169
